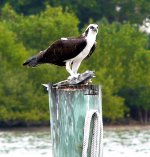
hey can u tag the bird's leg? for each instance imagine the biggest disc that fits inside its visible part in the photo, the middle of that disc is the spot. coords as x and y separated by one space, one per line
68 68
75 67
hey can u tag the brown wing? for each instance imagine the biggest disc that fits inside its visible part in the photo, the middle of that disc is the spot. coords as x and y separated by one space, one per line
91 51
62 50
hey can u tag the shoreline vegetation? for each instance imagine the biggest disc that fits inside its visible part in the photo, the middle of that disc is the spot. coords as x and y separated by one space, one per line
21 124
121 59
107 127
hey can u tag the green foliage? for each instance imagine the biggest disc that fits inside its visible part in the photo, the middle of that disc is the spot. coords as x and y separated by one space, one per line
24 6
113 107
15 99
134 11
114 10
137 89
42 28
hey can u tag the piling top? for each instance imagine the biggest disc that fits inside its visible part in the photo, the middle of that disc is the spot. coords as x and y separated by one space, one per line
89 89
78 86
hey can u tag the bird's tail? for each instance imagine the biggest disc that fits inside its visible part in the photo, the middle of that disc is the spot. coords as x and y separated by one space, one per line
31 62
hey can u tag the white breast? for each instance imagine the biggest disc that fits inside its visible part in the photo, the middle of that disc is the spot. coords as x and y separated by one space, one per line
86 50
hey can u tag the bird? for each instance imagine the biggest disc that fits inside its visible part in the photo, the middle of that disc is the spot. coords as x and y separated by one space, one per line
68 51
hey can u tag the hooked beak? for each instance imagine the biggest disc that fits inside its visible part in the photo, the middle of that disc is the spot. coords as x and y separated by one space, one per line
94 29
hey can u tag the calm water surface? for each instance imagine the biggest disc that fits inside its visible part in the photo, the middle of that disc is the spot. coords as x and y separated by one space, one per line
120 142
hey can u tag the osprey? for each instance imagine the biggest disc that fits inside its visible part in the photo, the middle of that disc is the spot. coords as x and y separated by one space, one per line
69 52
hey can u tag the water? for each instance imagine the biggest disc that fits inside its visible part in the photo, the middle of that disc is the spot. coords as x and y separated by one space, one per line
120 142
127 142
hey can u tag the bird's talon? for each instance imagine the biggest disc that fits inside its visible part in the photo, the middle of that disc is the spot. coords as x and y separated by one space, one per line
77 76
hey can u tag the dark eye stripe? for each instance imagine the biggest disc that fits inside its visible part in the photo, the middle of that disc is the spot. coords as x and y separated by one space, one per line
91 27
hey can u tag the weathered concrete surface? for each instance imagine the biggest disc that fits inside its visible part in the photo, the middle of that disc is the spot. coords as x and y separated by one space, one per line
68 107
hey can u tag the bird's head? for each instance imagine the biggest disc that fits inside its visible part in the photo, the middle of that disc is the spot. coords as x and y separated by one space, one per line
91 29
